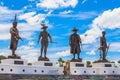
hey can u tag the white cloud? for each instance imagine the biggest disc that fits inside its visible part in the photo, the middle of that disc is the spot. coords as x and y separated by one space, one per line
5 10
114 47
66 12
27 28
107 20
32 18
7 15
91 35
60 54
79 16
31 43
54 4
92 52
4 31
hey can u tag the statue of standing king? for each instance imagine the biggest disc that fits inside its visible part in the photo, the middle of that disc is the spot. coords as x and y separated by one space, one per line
75 42
14 39
103 47
44 42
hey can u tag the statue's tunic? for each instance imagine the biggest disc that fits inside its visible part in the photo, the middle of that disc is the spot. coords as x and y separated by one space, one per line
44 40
75 44
103 43
14 40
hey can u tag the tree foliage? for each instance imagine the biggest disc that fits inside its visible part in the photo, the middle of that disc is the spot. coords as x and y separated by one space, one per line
89 64
2 57
61 61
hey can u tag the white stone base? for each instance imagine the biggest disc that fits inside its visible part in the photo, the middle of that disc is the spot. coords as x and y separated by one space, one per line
45 64
77 64
19 66
14 62
106 64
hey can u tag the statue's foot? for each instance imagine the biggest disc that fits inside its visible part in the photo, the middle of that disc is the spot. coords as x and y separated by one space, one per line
43 58
76 60
14 56
79 58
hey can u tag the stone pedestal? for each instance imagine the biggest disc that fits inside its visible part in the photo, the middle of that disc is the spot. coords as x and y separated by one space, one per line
14 57
14 62
77 64
43 59
103 64
45 64
76 60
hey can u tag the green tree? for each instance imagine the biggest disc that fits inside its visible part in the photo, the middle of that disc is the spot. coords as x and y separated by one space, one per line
89 64
29 64
95 61
119 61
61 61
2 57
112 61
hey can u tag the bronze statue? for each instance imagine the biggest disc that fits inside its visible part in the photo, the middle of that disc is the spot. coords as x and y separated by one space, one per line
14 39
103 47
75 42
44 42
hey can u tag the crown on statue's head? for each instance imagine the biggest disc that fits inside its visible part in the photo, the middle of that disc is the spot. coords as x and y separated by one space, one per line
15 19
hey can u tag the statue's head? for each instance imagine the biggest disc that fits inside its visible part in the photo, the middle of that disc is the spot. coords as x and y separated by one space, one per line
103 33
15 22
44 27
75 30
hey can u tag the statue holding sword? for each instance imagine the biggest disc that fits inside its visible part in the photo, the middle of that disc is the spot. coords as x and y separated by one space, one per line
44 42
103 47
14 39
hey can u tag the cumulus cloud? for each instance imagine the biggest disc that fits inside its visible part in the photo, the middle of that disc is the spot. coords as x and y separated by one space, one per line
7 14
32 18
115 47
66 12
92 52
54 4
107 20
60 54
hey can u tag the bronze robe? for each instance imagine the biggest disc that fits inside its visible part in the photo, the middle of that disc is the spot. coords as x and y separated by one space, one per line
14 41
75 44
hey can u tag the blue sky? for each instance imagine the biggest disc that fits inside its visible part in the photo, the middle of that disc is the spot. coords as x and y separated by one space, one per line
89 16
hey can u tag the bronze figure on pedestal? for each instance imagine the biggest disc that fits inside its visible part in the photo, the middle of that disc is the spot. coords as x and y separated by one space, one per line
75 42
14 39
44 42
103 48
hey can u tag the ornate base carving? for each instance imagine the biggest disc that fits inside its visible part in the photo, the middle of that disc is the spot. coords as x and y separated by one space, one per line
14 57
43 59
76 60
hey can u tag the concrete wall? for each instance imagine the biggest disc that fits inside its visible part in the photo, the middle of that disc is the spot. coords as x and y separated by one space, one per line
21 69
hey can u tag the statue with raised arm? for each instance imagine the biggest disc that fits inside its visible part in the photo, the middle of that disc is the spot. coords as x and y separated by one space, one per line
75 42
44 42
103 47
14 39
